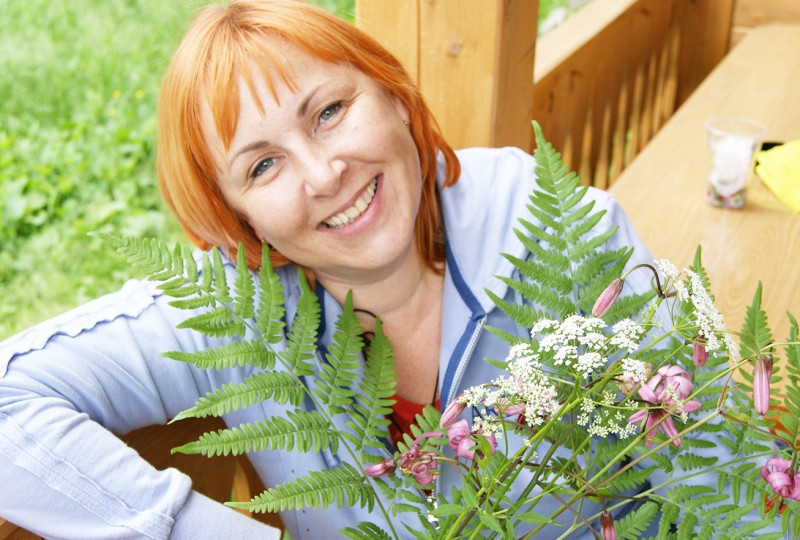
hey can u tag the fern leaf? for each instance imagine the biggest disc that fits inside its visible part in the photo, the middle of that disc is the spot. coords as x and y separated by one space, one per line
217 322
377 388
277 386
305 431
219 278
366 531
269 316
632 525
755 330
337 377
302 340
317 489
243 288
238 353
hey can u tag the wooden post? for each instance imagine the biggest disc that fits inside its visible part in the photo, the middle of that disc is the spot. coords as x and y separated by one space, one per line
705 39
471 59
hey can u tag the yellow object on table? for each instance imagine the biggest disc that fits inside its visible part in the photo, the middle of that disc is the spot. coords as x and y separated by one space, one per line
779 169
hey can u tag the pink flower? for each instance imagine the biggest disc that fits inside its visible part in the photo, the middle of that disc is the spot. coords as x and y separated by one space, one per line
607 530
422 465
458 435
424 473
463 442
505 408
451 413
669 380
607 298
699 352
669 383
381 468
781 478
761 376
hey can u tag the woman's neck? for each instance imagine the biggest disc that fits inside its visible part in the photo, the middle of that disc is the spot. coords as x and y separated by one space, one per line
409 303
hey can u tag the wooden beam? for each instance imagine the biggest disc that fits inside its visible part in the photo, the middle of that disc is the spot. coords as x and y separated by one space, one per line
472 60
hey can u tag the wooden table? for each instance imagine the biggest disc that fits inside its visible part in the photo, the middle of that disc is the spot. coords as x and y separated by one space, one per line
663 189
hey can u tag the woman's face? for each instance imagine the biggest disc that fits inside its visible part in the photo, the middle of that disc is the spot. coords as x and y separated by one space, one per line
328 173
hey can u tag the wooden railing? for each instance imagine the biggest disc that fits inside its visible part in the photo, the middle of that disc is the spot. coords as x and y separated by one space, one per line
605 81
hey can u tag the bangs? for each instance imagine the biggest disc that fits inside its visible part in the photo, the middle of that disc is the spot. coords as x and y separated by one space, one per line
241 61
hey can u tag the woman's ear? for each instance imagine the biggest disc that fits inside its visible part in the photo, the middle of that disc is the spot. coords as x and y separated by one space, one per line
401 109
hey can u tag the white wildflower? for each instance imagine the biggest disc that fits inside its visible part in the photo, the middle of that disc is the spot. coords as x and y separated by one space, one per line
588 362
627 335
635 370
667 268
708 318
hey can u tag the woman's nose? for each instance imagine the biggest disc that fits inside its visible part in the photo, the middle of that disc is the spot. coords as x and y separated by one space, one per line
323 172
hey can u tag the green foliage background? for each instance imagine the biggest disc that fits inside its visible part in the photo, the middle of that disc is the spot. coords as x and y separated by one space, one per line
79 81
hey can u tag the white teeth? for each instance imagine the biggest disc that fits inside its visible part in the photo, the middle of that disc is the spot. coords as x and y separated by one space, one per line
343 218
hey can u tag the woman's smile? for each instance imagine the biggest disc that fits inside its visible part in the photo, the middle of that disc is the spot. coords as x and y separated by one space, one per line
355 212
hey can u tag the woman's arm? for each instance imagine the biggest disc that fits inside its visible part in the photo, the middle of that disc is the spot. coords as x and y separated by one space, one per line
67 385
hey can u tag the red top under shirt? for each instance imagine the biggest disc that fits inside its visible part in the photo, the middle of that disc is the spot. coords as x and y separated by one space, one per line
403 415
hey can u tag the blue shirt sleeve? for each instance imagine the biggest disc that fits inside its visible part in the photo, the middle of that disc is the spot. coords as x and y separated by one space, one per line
69 383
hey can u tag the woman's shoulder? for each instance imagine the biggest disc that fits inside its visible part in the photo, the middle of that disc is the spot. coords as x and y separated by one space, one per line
129 302
138 307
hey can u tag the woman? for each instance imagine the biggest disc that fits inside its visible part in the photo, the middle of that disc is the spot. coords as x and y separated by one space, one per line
279 125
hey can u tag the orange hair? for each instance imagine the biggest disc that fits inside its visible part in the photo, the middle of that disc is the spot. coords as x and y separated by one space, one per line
219 47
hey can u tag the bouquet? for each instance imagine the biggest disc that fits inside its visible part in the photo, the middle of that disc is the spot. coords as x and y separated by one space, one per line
616 413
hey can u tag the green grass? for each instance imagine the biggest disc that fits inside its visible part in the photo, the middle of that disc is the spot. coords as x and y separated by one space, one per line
79 81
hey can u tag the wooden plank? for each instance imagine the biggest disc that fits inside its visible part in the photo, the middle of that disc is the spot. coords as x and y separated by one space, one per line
395 25
476 67
9 531
512 108
705 39
752 13
606 74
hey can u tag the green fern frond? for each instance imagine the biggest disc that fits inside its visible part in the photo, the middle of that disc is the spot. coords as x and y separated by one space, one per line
521 314
219 277
277 386
377 386
632 525
301 344
365 531
244 289
147 255
755 330
688 461
335 387
270 312
304 431
235 354
319 489
629 480
217 322
565 271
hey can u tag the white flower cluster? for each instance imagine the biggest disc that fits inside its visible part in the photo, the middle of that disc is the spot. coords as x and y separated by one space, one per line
602 420
635 371
708 318
526 387
579 344
627 335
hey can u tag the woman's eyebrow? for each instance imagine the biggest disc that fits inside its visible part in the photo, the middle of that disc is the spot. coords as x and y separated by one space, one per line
301 111
255 145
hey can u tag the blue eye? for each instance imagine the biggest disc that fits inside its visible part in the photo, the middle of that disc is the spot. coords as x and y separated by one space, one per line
262 166
329 112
